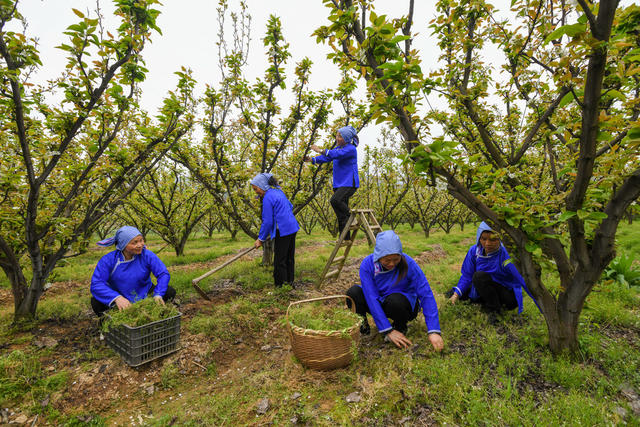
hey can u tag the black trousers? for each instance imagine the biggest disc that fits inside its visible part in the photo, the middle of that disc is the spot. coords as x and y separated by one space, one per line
99 308
284 258
396 307
340 204
493 296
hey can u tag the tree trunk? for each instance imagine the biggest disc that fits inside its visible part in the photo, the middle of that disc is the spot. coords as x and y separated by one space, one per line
26 309
179 248
267 252
18 285
562 326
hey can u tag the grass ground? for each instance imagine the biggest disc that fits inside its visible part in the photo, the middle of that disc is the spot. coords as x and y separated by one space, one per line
236 353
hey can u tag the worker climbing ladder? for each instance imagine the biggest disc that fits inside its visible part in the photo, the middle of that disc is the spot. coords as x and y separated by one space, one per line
359 219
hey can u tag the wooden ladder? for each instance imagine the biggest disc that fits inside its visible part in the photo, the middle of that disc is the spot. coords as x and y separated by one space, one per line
359 219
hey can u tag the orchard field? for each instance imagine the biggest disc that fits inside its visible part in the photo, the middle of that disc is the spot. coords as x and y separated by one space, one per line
235 352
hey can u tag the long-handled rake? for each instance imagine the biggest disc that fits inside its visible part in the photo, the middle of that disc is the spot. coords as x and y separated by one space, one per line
195 281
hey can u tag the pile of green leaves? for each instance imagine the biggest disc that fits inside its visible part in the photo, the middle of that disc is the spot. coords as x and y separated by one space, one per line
322 317
623 271
138 314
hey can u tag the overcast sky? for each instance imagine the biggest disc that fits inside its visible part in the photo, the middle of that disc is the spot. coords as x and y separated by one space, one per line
188 39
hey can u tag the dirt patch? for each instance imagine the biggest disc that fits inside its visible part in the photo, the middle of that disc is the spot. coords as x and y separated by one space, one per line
434 255
6 297
64 288
469 241
209 265
630 335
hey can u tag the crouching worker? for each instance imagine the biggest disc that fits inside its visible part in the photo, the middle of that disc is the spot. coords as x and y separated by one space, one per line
393 286
279 224
488 275
123 276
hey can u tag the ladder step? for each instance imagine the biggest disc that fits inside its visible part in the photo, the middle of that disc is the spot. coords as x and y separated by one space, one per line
332 273
354 227
338 259
376 227
345 243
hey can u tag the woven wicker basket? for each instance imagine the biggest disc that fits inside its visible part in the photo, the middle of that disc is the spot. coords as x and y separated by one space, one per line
323 350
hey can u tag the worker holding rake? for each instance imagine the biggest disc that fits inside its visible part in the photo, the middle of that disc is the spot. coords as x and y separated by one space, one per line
279 224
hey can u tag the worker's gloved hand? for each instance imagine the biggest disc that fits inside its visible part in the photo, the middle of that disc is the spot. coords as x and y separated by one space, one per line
449 293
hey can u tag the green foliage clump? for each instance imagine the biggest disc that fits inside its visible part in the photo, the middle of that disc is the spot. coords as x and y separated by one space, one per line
139 313
322 317
623 271
21 373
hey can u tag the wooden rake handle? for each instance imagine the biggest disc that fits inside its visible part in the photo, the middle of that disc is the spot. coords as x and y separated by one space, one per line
195 281
224 264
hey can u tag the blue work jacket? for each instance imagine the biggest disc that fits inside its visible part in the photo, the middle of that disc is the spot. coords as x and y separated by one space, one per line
113 277
277 214
345 165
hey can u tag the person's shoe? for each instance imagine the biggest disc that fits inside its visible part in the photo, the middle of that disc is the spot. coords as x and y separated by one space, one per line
365 329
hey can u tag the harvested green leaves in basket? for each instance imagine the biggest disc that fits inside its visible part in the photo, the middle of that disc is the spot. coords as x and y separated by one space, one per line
322 317
138 314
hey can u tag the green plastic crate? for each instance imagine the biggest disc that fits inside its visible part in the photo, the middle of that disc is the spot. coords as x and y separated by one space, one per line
145 343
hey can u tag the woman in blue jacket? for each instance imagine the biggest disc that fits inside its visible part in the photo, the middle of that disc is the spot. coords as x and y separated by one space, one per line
345 171
279 224
392 285
124 275
489 276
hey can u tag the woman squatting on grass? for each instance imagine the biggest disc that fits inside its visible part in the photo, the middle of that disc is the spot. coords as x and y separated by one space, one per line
345 171
279 224
392 285
489 276
123 276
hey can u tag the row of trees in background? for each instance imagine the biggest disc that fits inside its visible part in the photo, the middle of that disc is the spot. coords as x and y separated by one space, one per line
172 204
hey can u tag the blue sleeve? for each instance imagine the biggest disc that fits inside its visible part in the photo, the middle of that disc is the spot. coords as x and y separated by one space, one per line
160 272
348 151
372 296
513 271
428 302
320 159
267 218
467 270
99 280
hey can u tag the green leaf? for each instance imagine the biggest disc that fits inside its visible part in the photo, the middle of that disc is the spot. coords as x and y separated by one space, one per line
78 13
634 133
566 215
598 216
566 100
569 30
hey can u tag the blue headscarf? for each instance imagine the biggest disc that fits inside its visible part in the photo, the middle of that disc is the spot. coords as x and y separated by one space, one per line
122 238
349 135
262 181
387 243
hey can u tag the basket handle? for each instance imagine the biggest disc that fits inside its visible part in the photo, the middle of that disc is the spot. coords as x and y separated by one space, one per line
353 304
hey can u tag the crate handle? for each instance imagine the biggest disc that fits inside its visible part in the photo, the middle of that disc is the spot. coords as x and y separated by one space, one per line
353 304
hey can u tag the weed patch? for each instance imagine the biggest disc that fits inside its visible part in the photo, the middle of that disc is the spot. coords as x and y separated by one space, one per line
139 314
320 316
